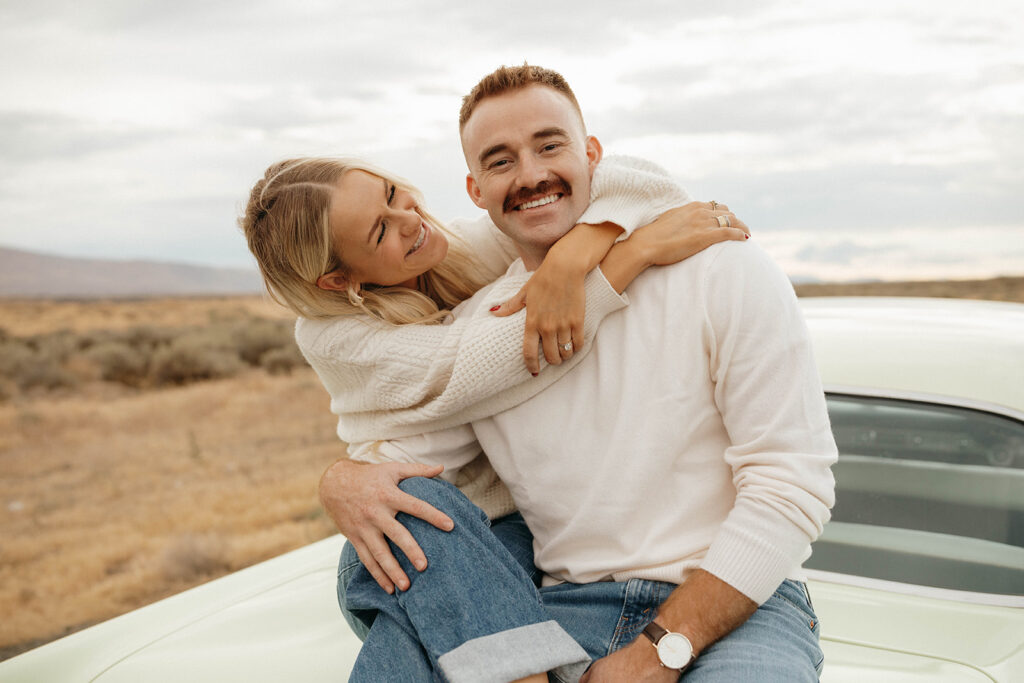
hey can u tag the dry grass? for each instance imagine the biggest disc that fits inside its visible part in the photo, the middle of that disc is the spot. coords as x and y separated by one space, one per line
112 498
23 317
109 502
995 289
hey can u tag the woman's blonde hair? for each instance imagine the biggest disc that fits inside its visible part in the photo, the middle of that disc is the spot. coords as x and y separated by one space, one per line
287 226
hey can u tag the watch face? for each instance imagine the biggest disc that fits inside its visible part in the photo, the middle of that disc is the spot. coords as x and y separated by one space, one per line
674 650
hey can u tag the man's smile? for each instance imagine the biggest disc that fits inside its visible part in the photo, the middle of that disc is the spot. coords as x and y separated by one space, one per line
539 202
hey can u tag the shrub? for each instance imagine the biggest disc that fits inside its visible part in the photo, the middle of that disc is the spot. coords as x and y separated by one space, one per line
55 346
26 368
14 355
45 373
281 361
192 358
255 337
146 338
119 362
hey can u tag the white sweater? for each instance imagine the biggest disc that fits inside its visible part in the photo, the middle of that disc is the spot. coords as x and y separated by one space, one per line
389 381
694 434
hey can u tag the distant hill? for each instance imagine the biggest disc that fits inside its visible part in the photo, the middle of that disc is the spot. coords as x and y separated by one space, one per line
35 275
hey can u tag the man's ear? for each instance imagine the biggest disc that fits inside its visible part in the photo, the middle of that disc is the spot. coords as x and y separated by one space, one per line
594 152
334 281
473 190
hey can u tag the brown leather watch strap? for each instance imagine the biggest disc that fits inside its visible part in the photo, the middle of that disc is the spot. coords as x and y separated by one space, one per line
654 632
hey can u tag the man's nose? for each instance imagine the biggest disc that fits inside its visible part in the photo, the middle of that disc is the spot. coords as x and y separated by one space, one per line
532 171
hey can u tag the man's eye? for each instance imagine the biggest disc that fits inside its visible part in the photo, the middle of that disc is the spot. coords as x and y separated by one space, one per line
499 163
383 228
551 147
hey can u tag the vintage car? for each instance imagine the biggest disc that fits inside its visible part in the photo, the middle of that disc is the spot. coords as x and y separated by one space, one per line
918 577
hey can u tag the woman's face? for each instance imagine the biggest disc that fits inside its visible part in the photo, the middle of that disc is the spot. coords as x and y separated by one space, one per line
381 237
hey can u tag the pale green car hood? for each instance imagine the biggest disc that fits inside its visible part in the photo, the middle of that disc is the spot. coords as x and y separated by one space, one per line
279 621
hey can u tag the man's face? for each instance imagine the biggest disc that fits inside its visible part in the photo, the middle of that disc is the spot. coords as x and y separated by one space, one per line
530 164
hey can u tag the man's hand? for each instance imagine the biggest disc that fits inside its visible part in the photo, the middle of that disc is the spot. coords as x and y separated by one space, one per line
638 662
363 500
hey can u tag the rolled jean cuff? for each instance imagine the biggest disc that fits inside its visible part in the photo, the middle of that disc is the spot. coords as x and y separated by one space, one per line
516 653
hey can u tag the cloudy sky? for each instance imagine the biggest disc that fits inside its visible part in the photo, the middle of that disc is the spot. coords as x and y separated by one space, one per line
858 140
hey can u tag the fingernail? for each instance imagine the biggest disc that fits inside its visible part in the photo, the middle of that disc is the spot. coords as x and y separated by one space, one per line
494 308
746 236
534 374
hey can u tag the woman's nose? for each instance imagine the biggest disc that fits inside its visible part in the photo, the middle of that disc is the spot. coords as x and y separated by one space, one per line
405 215
408 221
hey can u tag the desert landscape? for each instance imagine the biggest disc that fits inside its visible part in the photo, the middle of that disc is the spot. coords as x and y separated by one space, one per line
150 445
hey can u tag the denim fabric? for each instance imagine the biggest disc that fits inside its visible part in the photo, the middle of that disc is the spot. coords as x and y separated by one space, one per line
778 643
462 616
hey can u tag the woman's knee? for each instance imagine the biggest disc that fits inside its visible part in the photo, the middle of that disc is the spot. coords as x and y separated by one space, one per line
440 494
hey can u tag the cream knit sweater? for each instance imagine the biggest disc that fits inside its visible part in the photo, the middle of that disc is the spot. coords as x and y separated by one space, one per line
388 381
694 434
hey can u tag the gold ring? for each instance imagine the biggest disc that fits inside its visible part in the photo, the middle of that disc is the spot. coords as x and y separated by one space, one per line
723 221
714 205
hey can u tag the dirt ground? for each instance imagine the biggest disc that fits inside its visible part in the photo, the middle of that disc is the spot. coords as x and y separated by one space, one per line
112 498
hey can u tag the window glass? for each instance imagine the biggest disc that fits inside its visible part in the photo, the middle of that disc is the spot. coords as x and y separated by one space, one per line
926 494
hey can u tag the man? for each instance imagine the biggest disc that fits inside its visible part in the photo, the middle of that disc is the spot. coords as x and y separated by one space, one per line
675 479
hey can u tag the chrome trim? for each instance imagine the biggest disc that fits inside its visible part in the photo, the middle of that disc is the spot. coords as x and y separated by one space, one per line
992 599
921 397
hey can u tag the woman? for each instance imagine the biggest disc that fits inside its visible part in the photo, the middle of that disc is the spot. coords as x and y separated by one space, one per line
373 277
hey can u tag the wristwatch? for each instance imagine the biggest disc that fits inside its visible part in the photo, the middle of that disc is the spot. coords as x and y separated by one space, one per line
674 649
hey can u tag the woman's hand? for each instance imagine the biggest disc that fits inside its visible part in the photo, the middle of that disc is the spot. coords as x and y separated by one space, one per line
363 499
554 298
554 303
684 231
675 236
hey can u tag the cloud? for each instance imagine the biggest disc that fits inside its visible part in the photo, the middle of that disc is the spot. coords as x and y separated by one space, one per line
148 122
30 136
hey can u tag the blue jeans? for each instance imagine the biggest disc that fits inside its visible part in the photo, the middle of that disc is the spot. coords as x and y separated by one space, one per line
474 614
779 643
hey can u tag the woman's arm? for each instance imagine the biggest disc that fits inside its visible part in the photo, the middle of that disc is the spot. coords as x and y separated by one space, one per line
677 235
389 381
626 192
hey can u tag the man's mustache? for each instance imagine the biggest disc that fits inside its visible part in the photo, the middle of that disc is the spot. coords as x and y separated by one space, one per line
525 194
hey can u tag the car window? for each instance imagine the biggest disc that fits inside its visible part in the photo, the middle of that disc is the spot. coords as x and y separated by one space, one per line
926 494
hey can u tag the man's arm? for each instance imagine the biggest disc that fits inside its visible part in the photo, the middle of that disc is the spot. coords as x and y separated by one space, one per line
704 608
770 398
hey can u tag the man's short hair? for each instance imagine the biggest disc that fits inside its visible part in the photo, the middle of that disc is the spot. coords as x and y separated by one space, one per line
506 79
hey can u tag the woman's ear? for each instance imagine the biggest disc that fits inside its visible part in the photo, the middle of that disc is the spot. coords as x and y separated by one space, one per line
334 281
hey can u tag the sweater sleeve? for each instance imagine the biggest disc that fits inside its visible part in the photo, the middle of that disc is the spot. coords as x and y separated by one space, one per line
388 381
631 193
769 394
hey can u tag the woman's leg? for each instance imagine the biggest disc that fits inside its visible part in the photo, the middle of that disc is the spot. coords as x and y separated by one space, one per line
510 530
475 610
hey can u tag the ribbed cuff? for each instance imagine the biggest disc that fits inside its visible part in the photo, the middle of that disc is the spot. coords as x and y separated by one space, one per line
515 653
754 557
